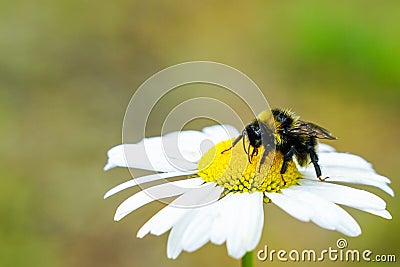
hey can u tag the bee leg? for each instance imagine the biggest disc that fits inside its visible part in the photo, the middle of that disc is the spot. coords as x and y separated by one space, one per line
234 143
314 160
248 153
254 153
284 182
244 147
286 158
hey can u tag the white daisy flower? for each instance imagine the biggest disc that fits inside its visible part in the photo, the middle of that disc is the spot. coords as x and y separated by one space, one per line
220 196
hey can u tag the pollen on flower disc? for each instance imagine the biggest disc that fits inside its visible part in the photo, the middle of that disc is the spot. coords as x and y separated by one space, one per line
233 171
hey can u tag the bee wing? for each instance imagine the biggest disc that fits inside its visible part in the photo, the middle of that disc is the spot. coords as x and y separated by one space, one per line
312 129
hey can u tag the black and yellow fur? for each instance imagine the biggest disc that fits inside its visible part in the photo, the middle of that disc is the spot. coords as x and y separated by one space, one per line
290 136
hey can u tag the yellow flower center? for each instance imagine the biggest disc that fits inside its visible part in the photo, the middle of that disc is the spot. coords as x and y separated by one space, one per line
233 171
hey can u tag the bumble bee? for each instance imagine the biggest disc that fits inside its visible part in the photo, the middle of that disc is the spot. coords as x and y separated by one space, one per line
291 137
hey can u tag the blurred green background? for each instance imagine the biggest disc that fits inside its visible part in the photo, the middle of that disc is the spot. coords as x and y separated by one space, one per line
69 68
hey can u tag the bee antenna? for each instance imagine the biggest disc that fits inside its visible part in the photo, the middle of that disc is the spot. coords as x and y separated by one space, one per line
248 154
244 133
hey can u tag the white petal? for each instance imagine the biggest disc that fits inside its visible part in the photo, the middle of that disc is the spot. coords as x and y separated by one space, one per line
320 211
206 194
244 230
233 222
174 245
110 164
328 215
324 148
218 133
355 198
256 223
291 206
236 219
234 245
147 156
153 193
176 151
343 171
382 213
189 146
340 160
348 175
168 216
144 179
198 231
162 221
219 229
347 168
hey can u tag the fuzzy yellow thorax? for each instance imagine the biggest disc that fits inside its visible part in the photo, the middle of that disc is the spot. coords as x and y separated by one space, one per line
233 171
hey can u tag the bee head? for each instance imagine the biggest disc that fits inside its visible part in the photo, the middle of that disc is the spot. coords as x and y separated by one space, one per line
254 134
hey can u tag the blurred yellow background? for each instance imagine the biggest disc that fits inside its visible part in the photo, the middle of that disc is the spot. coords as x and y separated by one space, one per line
69 68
